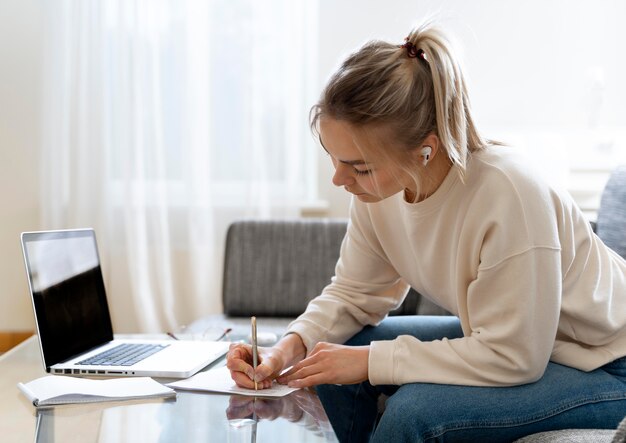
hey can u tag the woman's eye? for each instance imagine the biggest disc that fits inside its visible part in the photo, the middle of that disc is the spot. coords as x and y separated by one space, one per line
365 172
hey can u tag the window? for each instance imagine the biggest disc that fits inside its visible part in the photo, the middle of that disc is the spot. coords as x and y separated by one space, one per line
213 91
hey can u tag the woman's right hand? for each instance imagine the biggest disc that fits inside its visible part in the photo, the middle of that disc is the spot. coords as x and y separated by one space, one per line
239 362
272 361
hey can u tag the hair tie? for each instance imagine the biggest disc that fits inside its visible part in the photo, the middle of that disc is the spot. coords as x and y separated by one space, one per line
412 50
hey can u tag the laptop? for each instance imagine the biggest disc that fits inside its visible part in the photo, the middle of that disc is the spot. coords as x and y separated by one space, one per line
73 320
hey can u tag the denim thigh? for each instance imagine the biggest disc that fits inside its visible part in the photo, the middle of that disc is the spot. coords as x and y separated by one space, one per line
563 398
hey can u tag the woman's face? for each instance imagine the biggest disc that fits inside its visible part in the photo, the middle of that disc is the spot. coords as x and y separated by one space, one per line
370 181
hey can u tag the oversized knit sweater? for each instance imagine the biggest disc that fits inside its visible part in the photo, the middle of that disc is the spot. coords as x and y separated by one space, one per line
512 257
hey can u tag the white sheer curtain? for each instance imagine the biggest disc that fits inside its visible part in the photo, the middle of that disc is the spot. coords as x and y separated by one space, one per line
166 120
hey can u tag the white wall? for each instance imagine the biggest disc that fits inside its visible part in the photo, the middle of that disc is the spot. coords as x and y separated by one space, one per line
20 79
547 74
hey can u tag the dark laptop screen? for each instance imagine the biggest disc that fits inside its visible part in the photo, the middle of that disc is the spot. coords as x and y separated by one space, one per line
68 292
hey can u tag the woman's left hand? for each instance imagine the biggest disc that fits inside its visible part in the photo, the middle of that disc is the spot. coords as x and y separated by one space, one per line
329 363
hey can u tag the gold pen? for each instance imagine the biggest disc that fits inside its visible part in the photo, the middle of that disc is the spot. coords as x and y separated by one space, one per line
255 354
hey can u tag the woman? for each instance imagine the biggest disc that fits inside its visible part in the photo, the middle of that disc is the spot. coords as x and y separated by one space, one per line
539 337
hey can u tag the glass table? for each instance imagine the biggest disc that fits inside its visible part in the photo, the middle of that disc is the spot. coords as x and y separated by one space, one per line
191 417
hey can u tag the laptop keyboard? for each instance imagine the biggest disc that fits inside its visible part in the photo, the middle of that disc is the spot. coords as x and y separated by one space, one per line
126 354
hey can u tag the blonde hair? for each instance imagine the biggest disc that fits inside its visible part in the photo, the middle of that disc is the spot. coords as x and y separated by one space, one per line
413 89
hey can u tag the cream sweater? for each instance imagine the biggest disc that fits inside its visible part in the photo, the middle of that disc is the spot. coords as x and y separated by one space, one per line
514 259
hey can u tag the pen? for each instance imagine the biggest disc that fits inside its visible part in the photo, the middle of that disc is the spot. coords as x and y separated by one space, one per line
225 334
255 355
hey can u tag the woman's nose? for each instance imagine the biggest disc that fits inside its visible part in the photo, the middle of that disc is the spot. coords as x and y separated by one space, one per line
342 176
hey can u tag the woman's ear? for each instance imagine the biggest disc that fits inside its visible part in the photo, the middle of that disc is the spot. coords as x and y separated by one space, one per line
427 149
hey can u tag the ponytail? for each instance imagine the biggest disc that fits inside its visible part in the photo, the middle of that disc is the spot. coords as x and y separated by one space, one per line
455 127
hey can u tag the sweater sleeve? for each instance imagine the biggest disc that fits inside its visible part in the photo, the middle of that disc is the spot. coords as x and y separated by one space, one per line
513 311
362 292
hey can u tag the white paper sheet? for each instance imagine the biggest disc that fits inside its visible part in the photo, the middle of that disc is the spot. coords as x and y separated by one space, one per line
219 380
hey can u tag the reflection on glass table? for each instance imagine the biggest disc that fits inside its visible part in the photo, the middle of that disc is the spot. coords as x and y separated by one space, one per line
191 417
302 407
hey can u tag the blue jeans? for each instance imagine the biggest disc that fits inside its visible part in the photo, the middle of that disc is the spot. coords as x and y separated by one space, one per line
424 412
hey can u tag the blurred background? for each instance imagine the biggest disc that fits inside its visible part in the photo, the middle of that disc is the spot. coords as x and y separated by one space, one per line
160 122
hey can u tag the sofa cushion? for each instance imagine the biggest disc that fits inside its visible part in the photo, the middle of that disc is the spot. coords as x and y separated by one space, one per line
274 268
611 223
571 436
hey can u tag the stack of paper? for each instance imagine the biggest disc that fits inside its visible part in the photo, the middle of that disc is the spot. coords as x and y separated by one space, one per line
58 390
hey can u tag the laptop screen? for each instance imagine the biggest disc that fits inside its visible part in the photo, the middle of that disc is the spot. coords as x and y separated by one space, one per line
68 293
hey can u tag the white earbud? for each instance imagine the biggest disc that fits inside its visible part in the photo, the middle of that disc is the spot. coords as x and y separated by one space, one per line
425 152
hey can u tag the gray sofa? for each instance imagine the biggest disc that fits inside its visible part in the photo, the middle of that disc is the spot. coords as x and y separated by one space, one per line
273 268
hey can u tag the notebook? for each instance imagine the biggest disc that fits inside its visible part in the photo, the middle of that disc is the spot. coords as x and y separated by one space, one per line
73 320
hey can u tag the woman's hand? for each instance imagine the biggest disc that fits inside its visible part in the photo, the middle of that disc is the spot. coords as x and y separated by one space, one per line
272 361
239 362
329 364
